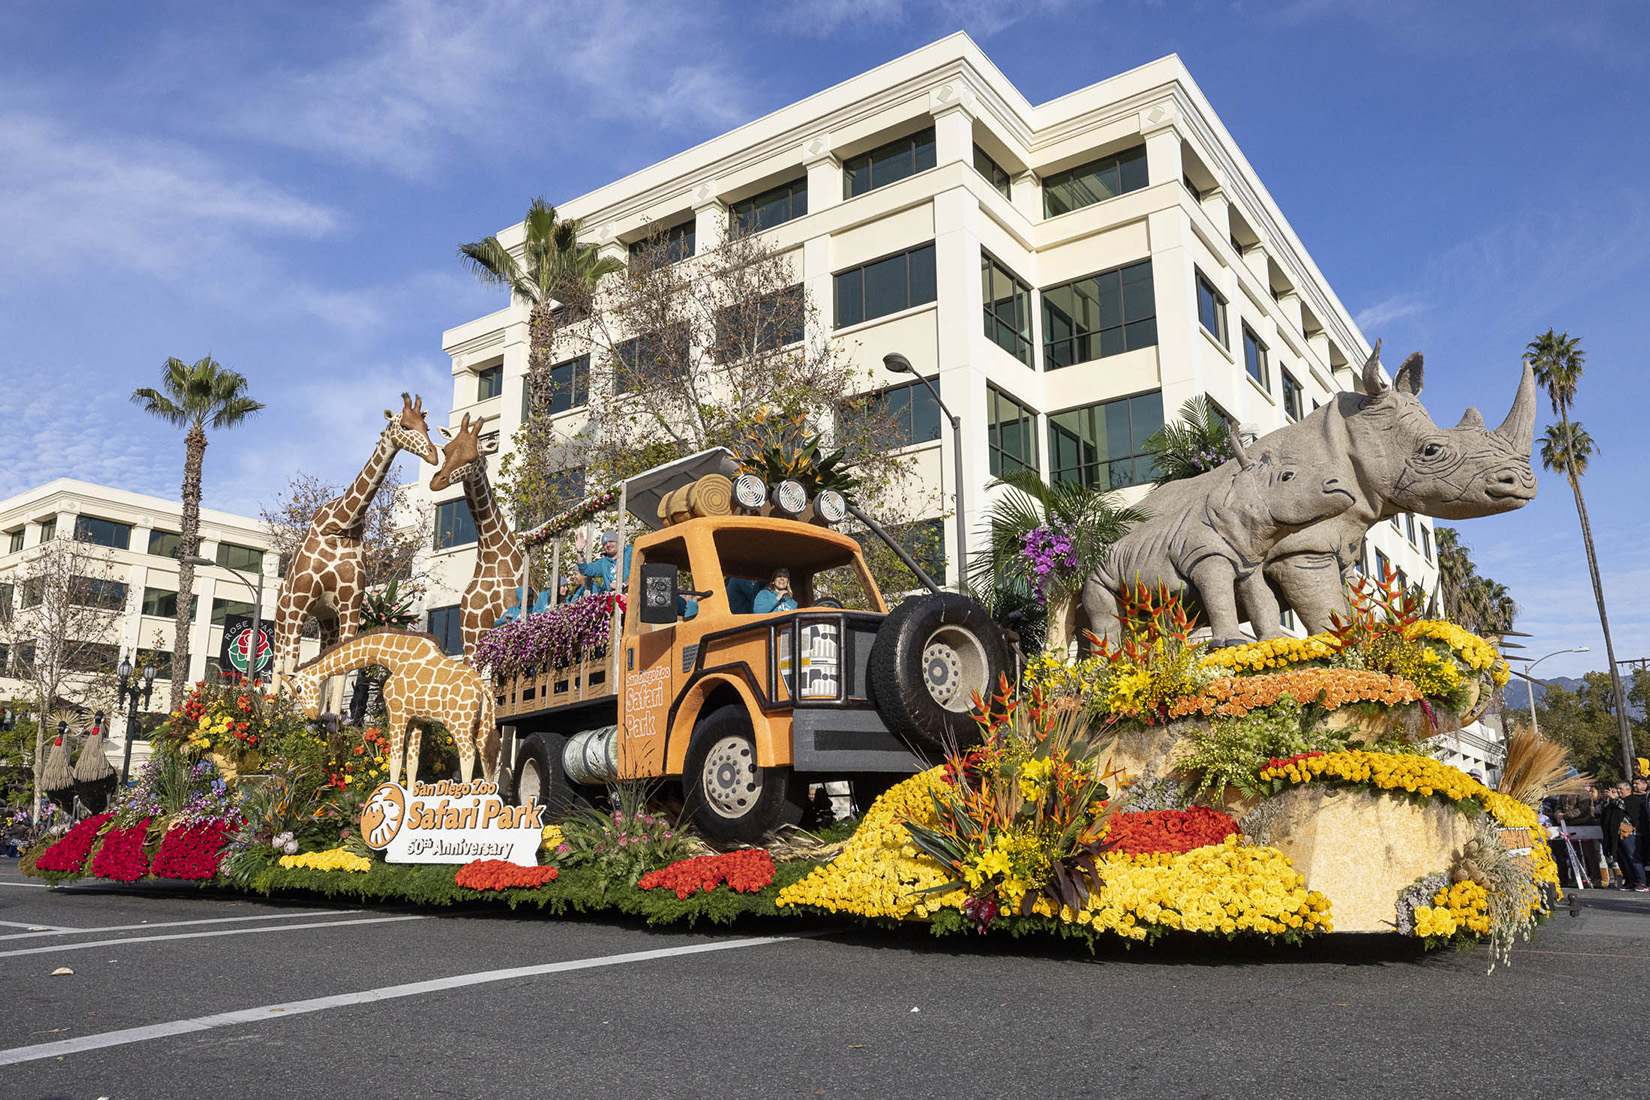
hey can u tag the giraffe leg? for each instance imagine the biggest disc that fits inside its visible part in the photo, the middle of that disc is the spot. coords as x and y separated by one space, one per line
396 730
415 734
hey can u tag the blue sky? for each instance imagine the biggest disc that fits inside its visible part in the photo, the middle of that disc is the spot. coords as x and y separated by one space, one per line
283 187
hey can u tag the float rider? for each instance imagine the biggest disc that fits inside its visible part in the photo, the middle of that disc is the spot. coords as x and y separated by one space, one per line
777 595
602 574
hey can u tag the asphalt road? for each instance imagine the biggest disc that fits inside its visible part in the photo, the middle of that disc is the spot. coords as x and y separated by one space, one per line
194 995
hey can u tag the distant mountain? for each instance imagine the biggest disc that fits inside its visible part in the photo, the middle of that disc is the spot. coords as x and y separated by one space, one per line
1518 692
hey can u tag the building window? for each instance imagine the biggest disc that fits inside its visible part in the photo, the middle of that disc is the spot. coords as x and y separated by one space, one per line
1105 314
245 558
1095 181
887 164
8 598
1426 541
1011 433
1254 359
671 245
92 657
445 624
1397 522
773 321
565 386
224 610
1383 567
164 544
1286 619
97 592
1103 445
103 532
160 603
773 207
1292 404
644 357
34 592
994 173
1007 309
48 529
903 415
1409 524
16 540
885 286
454 526
1211 309
489 382
158 659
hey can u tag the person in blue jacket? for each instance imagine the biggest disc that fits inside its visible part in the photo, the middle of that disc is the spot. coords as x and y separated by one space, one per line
602 574
777 595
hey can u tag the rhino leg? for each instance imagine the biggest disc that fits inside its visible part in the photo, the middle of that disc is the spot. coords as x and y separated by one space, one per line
1312 584
1100 608
1216 580
1260 603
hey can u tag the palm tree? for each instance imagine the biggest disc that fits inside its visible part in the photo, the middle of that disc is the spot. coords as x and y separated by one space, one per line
1557 360
1455 568
194 397
1092 518
555 271
1195 444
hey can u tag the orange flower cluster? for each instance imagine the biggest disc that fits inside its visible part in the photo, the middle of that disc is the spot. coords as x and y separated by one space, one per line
498 874
1235 696
746 871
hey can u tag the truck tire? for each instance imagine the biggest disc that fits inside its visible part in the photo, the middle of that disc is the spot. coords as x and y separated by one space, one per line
930 657
727 795
539 775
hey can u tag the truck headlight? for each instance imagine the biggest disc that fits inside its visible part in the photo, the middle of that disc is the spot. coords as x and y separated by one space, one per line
830 506
790 496
749 491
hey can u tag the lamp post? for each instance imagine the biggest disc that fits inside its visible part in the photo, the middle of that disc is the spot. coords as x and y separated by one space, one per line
257 607
1531 681
128 696
899 364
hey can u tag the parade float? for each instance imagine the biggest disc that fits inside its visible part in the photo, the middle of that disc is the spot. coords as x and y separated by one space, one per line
645 751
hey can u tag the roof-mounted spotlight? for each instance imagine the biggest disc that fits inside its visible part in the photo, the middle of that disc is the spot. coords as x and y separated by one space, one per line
789 496
749 491
830 506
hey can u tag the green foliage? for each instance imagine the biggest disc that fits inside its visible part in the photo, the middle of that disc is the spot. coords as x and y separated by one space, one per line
1200 441
1584 722
1232 751
775 461
620 845
393 605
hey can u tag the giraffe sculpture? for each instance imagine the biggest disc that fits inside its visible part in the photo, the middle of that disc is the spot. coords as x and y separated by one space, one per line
327 577
499 558
425 685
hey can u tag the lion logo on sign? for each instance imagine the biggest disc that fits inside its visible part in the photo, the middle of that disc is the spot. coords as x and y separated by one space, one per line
381 817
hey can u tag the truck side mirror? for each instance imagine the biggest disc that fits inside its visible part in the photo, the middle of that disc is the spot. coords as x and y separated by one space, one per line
658 594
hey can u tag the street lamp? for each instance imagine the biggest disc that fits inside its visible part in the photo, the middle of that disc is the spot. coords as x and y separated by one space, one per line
257 607
128 695
1531 681
899 364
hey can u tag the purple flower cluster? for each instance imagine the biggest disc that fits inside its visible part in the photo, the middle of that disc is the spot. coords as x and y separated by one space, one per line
1050 553
196 797
547 639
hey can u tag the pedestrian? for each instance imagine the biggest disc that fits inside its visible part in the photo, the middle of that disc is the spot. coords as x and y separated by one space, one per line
1623 836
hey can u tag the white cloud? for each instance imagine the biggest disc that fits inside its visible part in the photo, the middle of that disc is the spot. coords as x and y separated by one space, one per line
1387 311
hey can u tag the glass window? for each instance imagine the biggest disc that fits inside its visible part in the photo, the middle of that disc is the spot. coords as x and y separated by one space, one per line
1211 309
15 538
1102 445
1012 433
48 529
245 558
636 360
158 659
8 598
565 386
887 164
164 543
92 657
1426 541
992 171
1409 524
910 413
34 592
1007 309
489 382
97 592
1383 566
885 286
454 525
773 321
773 207
1090 183
1254 359
223 610
673 245
1105 314
103 532
445 623
159 602
1292 403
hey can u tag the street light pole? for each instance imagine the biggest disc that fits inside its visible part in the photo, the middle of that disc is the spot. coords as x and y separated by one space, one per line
899 364
1531 681
257 607
128 696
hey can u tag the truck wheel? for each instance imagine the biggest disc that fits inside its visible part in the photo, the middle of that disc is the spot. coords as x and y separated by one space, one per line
728 795
539 775
930 657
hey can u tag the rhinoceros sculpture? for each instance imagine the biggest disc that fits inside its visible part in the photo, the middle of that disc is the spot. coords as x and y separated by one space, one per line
1394 459
1213 533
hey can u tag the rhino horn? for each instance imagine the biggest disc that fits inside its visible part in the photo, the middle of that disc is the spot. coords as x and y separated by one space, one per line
1408 379
1519 427
1238 452
1472 418
1372 373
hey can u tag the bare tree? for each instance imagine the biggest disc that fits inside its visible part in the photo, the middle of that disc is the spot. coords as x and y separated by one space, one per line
397 528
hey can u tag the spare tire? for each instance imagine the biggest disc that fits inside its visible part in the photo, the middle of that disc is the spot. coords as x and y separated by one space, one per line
931 656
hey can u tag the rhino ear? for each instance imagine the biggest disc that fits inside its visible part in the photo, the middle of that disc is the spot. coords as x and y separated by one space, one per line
1409 376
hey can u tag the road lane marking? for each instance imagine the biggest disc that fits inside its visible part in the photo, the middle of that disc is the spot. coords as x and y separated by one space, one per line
289 1009
27 885
39 929
56 931
200 935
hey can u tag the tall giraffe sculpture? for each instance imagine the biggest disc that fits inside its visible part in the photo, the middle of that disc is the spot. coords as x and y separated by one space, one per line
425 685
500 561
327 577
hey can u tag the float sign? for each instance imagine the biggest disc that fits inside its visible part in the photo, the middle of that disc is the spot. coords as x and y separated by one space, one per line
450 822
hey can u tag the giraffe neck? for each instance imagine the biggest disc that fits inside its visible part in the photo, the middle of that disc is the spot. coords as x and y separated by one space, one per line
492 532
358 497
354 654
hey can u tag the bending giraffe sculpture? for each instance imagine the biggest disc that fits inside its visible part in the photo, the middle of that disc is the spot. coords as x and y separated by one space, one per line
326 578
499 559
424 685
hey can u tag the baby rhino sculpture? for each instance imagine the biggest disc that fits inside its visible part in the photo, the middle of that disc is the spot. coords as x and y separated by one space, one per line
1213 533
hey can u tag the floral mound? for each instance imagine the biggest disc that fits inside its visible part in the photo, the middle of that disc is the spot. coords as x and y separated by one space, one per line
1151 831
68 855
192 851
335 859
499 874
745 871
121 856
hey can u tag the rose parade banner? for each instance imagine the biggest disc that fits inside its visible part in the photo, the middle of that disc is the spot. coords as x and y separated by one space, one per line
450 822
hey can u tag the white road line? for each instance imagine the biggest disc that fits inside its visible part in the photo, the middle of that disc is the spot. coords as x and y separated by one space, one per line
53 930
27 885
199 935
343 1000
40 929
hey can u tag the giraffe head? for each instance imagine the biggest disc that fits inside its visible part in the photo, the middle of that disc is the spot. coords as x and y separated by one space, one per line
409 432
304 687
465 454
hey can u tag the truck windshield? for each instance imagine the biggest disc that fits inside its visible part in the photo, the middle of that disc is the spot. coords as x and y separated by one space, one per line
819 569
